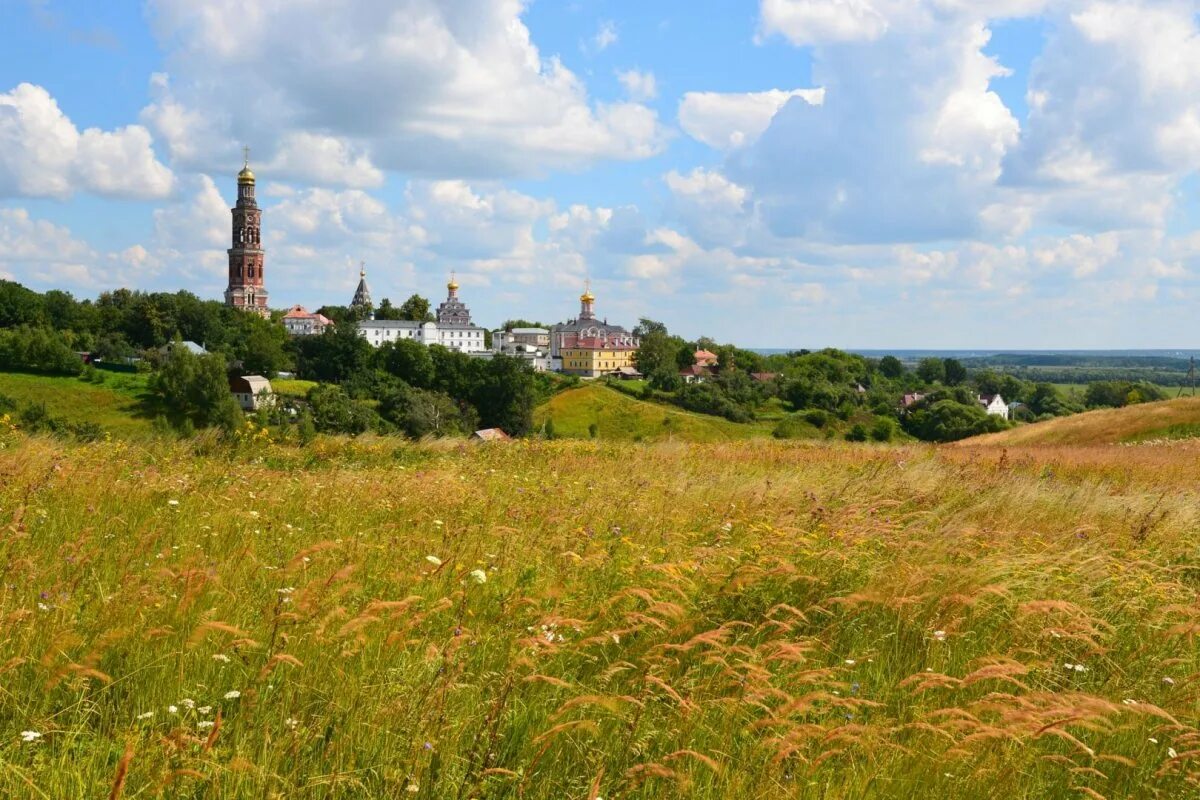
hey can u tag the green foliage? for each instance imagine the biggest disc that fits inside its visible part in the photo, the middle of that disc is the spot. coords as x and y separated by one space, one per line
420 413
707 398
932 370
333 411
334 356
408 360
857 433
891 367
195 389
1116 394
415 308
954 371
38 349
883 429
950 420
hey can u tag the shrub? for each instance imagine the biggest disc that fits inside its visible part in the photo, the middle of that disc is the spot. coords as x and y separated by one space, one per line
858 433
883 429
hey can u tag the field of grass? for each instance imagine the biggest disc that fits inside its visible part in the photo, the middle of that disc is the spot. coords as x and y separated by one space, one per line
581 620
1147 421
116 405
619 417
292 387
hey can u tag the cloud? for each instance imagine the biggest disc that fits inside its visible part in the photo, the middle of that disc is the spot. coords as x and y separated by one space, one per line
605 37
443 88
906 146
43 154
640 86
811 21
730 121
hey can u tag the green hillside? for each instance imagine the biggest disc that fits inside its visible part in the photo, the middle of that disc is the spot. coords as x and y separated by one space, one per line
117 405
623 418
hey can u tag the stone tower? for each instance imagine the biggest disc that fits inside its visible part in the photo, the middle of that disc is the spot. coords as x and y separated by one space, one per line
246 289
362 295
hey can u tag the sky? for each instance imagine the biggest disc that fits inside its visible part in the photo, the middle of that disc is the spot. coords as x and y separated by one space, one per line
775 173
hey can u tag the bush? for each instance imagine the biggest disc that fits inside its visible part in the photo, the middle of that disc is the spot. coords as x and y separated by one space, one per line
858 433
794 426
333 411
816 417
950 420
37 350
883 429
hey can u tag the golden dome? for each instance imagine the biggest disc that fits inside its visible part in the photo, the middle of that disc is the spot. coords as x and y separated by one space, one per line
587 296
246 175
453 284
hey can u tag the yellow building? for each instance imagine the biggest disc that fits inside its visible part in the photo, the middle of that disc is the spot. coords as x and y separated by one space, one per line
588 347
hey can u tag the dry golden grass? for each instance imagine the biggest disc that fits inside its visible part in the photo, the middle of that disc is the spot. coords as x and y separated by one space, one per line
1105 426
706 621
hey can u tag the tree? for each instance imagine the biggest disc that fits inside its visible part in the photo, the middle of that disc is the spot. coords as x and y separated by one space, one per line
891 367
645 327
333 356
386 310
416 308
931 370
656 359
194 390
409 361
333 411
504 397
950 420
954 371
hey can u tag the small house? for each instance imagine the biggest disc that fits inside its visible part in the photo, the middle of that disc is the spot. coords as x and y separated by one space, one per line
490 435
994 405
251 391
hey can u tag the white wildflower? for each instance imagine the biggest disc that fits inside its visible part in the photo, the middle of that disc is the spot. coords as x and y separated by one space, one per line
224 659
1168 680
172 502
438 522
291 723
412 788
1171 753
616 638
437 562
478 575
1152 740
850 662
187 702
205 709
172 709
232 694
205 724
146 715
939 635
30 736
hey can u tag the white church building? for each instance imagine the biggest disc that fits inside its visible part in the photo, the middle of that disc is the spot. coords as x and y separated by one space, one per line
453 328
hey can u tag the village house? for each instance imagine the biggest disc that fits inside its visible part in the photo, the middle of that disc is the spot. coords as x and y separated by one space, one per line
298 321
251 391
994 405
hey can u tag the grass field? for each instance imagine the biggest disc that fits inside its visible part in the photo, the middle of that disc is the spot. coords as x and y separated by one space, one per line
619 417
116 405
1169 419
584 620
292 387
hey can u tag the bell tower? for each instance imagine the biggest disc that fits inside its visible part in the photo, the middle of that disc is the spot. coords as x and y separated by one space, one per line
246 289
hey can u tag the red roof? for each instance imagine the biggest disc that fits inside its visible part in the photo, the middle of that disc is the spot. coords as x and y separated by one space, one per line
706 358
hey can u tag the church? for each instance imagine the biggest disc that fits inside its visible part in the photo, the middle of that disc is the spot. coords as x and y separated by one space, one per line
453 328
246 287
588 347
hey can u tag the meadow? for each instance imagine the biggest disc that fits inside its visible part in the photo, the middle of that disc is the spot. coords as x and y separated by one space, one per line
576 619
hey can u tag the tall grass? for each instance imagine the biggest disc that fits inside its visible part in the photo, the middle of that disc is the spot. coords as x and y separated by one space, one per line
583 620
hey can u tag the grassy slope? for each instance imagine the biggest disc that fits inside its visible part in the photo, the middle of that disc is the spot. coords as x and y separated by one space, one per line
624 418
1106 426
735 620
115 404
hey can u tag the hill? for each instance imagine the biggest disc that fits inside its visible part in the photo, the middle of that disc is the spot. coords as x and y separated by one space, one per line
565 619
619 417
119 405
1169 419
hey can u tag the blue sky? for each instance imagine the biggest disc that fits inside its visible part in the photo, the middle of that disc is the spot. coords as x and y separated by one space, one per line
780 173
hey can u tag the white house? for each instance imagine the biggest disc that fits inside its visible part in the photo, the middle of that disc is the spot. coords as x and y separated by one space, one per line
994 405
531 344
251 391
